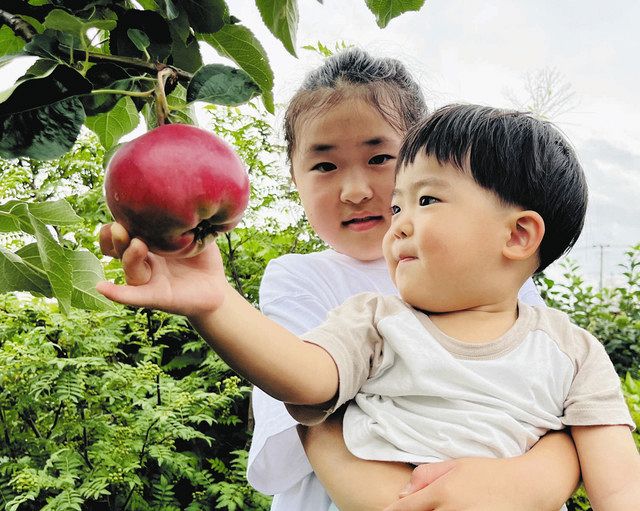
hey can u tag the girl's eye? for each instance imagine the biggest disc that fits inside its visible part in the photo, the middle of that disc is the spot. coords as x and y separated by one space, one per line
380 159
395 209
324 166
426 200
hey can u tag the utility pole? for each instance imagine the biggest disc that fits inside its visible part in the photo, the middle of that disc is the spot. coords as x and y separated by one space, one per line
601 247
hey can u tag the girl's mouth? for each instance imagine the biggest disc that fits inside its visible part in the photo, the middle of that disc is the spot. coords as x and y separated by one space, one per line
363 223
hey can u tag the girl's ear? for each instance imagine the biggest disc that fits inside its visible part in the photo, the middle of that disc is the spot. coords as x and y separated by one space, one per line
527 230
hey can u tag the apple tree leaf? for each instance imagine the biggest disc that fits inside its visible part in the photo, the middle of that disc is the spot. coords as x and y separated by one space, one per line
386 10
18 274
42 115
206 16
281 18
111 126
240 45
221 85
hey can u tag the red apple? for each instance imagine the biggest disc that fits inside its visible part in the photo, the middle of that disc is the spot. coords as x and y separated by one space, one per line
176 187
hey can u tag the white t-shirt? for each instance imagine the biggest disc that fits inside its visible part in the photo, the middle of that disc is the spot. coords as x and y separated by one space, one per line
417 395
298 291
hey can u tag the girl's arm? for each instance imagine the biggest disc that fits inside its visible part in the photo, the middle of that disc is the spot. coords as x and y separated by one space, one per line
540 480
352 483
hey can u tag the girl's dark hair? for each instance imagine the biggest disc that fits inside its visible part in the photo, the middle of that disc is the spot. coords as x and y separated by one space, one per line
525 161
384 83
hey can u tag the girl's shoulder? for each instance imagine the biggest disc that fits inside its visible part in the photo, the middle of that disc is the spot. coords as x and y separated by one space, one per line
326 276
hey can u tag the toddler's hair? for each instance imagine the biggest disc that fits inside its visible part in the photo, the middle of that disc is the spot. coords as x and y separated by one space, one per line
383 82
525 161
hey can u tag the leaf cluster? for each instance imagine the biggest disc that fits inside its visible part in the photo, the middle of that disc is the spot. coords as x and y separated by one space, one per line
116 410
101 62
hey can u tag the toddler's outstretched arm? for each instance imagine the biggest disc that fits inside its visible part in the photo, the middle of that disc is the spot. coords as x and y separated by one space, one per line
255 346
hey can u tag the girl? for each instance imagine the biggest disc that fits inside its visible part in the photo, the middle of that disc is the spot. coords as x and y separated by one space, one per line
343 129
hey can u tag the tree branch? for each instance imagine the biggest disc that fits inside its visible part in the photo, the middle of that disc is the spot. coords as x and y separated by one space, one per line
19 26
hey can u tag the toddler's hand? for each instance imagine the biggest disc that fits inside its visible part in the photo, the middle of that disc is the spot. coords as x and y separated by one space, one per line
189 286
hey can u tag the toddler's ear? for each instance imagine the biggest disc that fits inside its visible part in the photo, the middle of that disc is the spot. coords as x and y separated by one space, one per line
527 230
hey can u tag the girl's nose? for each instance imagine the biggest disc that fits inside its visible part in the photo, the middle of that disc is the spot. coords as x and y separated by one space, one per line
356 188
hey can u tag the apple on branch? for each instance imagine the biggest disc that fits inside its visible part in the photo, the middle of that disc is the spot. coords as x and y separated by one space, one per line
176 187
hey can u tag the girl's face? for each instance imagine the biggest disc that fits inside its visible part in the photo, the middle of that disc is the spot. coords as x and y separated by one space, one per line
343 168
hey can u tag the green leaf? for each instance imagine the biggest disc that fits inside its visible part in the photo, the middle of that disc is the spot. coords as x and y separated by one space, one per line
240 45
139 38
114 124
42 116
171 11
10 44
221 85
386 10
56 264
281 18
107 75
20 274
206 16
57 212
87 272
152 24
186 55
14 216
61 20
24 271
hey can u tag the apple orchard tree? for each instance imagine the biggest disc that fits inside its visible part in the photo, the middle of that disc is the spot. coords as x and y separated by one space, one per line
104 64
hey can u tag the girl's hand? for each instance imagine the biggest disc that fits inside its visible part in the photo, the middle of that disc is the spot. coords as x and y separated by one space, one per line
191 286
471 484
542 479
476 484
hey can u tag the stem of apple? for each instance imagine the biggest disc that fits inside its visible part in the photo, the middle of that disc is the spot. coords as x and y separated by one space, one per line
162 107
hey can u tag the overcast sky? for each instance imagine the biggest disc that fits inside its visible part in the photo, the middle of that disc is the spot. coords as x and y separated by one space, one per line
479 50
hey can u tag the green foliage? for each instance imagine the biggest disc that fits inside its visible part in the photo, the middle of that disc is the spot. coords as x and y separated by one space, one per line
131 45
613 316
125 410
129 409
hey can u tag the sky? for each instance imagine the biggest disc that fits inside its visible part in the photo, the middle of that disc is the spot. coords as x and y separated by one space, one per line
481 51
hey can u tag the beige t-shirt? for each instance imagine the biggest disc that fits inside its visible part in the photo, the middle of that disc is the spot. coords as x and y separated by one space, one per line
421 396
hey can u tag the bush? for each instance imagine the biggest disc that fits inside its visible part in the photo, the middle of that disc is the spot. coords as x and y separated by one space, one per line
613 316
117 411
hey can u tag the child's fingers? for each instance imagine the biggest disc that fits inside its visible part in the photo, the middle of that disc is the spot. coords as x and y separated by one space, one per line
120 237
136 296
114 239
106 241
137 269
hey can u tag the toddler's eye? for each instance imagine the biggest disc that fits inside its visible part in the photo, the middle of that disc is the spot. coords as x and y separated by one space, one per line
380 159
426 200
324 166
395 209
